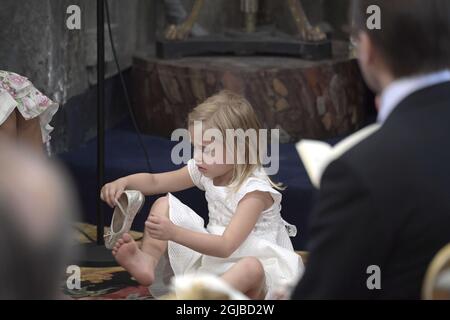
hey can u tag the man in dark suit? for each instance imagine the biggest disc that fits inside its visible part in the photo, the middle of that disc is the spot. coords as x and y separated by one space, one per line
384 206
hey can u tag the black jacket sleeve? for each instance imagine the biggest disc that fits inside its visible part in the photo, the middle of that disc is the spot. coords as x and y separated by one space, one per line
345 238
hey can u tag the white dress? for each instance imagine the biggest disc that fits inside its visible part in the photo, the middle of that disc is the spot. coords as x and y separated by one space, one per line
269 241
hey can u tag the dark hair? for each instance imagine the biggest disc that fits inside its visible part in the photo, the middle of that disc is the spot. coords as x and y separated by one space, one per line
29 271
33 256
414 36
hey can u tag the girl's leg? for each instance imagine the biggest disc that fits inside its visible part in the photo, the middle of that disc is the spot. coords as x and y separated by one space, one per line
141 262
29 132
247 276
156 248
9 127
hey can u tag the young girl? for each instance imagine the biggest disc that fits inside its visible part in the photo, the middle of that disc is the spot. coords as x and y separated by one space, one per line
246 241
25 113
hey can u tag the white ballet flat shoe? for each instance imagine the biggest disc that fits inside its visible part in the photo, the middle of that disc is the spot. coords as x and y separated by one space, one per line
128 205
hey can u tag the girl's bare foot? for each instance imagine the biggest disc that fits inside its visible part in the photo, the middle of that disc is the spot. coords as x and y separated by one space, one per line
139 264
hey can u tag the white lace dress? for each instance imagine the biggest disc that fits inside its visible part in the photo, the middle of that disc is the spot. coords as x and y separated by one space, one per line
269 241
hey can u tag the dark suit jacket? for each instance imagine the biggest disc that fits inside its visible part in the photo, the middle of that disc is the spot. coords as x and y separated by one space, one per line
386 202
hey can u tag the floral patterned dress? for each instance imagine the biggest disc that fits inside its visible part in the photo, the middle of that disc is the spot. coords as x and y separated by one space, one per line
18 92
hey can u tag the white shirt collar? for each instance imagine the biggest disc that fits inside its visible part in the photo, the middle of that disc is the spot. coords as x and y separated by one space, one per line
402 88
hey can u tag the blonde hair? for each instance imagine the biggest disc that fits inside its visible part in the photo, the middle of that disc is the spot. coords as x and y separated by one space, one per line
228 110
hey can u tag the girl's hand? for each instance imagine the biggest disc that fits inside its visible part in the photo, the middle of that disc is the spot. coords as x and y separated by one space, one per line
160 228
112 191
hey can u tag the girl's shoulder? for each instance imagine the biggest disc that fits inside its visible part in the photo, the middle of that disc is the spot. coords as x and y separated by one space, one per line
196 175
258 181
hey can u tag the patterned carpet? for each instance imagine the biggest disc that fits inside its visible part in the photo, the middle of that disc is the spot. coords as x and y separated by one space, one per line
105 283
108 283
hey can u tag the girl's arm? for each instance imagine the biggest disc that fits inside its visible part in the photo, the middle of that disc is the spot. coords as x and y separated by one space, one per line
148 184
242 223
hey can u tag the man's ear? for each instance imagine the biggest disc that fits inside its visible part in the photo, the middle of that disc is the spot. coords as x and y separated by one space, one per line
366 52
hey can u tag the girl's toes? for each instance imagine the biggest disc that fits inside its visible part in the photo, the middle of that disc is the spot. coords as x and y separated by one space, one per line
120 241
126 238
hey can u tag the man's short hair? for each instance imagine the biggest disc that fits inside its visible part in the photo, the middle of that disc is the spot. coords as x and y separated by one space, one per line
414 37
